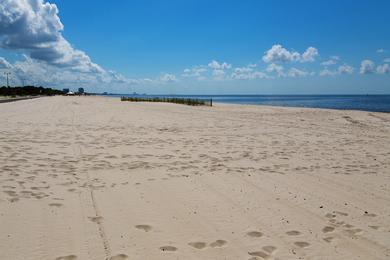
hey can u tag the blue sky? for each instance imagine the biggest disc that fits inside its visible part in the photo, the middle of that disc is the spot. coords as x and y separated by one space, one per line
207 47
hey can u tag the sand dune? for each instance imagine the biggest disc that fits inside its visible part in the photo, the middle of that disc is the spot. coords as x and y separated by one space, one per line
96 178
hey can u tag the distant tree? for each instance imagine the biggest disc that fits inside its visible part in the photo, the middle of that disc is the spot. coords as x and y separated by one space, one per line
29 91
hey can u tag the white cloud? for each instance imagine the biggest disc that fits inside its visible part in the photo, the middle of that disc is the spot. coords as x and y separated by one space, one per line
274 68
196 71
219 66
247 73
387 60
296 73
36 72
332 61
380 50
342 69
367 67
4 64
327 72
309 55
383 69
278 54
33 27
219 69
345 69
219 74
168 78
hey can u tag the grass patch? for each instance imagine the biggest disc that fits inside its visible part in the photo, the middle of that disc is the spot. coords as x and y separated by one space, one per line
183 101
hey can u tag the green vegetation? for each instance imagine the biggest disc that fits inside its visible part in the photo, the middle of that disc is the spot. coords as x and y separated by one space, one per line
29 91
183 101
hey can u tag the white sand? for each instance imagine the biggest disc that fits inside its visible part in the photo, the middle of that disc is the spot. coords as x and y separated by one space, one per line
96 178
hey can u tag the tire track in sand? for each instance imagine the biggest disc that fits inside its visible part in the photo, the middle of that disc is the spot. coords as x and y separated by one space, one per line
97 218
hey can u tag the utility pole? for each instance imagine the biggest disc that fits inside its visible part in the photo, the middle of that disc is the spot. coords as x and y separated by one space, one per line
7 74
23 79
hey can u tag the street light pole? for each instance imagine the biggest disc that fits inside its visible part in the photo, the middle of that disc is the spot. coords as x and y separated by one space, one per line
7 74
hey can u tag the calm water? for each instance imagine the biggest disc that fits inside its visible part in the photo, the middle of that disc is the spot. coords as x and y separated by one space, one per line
377 103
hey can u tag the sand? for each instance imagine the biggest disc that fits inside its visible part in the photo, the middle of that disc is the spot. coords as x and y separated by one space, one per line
96 178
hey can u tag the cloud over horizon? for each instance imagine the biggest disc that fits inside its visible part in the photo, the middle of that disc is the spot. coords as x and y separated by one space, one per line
278 54
33 27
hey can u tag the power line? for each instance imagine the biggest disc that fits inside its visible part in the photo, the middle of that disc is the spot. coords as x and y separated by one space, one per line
7 74
23 81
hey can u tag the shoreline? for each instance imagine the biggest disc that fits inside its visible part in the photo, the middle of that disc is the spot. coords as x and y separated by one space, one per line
215 99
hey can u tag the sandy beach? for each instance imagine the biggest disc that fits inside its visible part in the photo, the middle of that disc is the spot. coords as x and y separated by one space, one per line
96 178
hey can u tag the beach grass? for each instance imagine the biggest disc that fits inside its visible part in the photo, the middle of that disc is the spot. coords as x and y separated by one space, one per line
183 101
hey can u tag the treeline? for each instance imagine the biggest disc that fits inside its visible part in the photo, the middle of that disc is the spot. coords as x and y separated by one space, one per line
29 91
183 101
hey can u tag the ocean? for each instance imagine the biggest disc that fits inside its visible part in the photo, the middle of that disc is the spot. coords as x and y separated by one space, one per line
374 103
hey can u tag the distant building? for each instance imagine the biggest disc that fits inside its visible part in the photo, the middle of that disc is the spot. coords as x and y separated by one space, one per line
81 91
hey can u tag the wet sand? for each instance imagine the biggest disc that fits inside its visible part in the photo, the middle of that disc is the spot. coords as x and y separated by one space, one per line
96 178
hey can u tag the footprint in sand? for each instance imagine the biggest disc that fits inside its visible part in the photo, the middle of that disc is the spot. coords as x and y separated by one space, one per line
353 232
328 239
327 229
68 257
302 244
258 254
269 249
145 228
330 215
57 205
254 234
168 248
293 233
218 243
374 227
96 219
198 245
341 213
119 257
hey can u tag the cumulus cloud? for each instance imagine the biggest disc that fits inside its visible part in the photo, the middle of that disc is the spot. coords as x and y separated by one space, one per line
274 68
219 69
196 71
309 55
36 72
332 61
296 73
219 74
278 54
367 67
327 72
345 69
168 78
34 26
4 64
247 73
380 50
219 66
383 69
